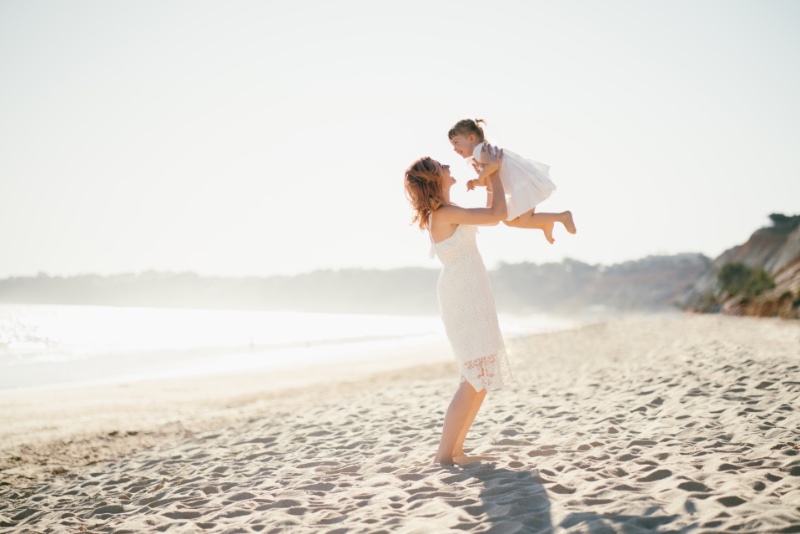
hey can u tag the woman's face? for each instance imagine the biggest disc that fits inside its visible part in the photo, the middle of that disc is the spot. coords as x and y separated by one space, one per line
447 180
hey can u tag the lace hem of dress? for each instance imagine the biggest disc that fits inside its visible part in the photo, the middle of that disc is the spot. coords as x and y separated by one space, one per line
488 372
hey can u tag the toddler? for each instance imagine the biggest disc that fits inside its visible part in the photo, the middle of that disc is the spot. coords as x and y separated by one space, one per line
526 182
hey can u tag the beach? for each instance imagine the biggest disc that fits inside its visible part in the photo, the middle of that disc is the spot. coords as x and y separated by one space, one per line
671 423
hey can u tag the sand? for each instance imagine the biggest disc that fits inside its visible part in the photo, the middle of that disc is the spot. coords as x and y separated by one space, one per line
663 424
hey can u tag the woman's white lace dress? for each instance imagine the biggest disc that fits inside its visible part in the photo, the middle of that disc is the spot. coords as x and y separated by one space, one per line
468 311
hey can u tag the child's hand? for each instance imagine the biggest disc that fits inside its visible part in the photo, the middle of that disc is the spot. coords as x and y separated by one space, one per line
471 184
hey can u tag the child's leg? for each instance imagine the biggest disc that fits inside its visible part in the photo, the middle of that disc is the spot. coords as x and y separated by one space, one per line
458 450
454 420
543 221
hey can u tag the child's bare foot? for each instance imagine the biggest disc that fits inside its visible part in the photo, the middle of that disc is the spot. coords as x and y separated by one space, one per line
548 233
566 220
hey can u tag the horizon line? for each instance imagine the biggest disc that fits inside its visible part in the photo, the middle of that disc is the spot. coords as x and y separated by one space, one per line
501 264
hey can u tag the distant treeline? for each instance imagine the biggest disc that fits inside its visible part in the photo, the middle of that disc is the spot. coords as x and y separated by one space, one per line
653 283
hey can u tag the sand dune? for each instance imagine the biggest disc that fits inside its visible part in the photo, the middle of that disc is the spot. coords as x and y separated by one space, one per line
680 423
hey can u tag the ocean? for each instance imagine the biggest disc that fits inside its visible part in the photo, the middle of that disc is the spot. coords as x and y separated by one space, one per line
54 345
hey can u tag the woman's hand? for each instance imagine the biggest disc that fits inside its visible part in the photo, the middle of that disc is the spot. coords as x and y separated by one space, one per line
491 154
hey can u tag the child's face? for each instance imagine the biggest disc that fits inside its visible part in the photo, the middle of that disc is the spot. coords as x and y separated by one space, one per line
464 144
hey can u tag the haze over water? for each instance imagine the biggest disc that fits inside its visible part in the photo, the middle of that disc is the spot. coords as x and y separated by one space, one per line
72 345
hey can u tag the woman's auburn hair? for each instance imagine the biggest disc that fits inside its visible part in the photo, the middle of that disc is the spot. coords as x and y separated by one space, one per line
423 183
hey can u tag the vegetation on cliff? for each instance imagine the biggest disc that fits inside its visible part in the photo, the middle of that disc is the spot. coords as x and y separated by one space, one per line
739 280
760 277
784 224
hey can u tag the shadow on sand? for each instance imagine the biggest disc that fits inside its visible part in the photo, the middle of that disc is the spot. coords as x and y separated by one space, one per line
514 501
592 523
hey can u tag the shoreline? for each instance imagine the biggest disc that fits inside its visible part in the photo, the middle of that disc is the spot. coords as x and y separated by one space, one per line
357 354
653 423
238 342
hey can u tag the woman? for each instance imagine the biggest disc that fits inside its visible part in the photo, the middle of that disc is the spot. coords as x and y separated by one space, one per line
466 302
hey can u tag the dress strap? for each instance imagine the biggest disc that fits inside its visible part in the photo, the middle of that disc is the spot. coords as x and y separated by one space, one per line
432 249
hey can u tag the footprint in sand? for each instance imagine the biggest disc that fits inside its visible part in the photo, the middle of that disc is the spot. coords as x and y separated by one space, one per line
542 452
656 475
693 486
730 502
186 514
562 490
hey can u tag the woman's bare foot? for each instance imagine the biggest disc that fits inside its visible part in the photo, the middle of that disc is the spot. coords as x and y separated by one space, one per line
566 220
548 233
441 460
466 460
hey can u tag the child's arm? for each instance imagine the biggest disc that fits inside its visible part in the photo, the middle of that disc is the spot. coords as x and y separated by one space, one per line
483 177
487 169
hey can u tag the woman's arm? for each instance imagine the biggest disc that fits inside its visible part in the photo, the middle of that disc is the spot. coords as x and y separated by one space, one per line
493 213
495 210
489 199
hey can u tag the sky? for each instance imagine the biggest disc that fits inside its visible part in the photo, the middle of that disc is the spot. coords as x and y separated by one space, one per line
259 138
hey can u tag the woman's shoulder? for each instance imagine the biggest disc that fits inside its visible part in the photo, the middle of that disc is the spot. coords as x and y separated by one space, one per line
446 212
441 227
437 216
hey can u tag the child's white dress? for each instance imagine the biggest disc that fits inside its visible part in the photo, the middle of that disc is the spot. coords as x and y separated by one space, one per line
526 182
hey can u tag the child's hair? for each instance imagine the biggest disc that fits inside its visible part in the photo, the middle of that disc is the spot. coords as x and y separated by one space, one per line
423 182
466 127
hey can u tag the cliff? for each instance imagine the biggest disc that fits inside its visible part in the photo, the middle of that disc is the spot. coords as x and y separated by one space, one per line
775 249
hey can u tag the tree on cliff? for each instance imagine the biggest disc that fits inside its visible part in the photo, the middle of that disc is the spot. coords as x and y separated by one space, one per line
784 223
